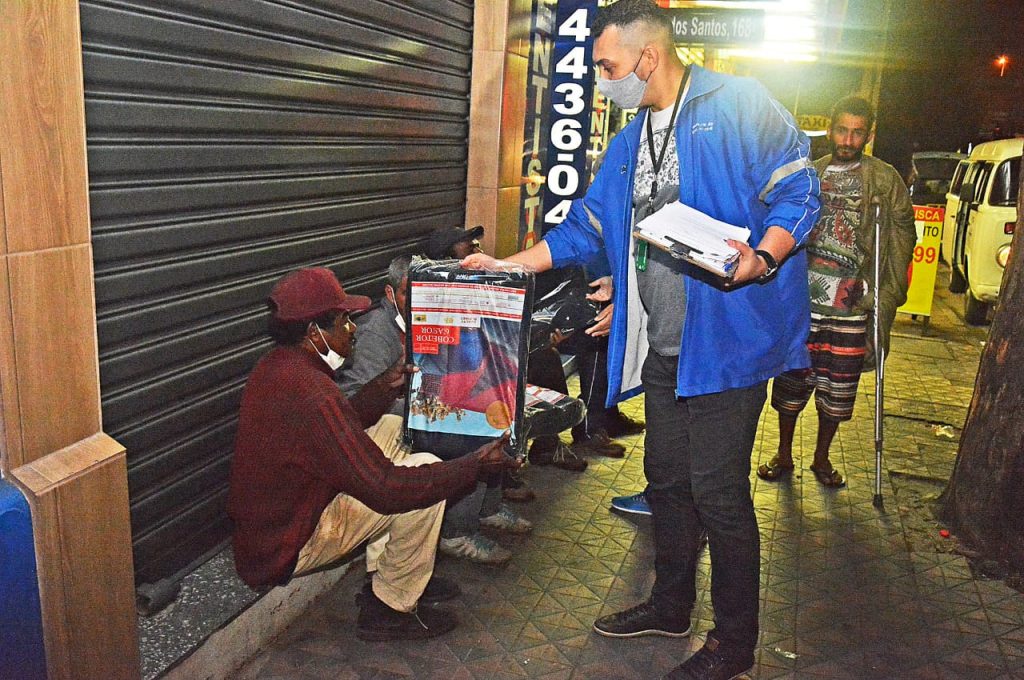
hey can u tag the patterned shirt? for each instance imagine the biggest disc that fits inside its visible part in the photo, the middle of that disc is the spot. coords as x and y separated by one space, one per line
833 258
661 286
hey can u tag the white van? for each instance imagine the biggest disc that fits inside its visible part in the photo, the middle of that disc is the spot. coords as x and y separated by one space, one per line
981 213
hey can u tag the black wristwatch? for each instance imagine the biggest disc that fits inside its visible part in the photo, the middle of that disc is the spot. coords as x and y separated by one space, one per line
773 266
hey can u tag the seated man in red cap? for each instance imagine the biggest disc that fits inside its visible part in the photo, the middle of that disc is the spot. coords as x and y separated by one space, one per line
309 482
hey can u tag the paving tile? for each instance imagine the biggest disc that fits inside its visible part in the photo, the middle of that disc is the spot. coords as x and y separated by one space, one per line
843 594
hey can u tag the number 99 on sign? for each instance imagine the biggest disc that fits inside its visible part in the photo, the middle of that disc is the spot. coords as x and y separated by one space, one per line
926 255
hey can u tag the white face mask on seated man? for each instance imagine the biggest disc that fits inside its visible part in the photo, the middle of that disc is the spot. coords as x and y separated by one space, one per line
331 358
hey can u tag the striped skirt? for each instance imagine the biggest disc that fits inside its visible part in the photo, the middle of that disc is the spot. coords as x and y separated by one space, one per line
837 346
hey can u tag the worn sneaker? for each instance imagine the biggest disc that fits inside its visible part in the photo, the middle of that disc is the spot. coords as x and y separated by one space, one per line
475 548
559 455
566 459
514 489
506 520
635 505
642 619
618 424
377 621
711 663
518 494
598 444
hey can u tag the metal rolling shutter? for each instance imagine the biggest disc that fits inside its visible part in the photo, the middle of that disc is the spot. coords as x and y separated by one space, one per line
229 142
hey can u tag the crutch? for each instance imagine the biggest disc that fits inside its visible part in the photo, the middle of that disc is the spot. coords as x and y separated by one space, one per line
876 215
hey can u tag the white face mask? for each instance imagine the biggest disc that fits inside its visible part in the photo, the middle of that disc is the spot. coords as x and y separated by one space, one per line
626 92
332 358
389 293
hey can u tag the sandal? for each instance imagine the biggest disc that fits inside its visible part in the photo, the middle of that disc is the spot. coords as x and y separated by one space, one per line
829 478
773 470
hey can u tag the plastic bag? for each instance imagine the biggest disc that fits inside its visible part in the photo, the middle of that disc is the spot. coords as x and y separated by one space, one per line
468 334
565 309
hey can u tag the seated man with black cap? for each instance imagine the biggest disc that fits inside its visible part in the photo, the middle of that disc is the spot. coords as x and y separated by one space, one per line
454 243
309 482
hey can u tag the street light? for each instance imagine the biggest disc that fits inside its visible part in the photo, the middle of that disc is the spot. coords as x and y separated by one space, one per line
1001 62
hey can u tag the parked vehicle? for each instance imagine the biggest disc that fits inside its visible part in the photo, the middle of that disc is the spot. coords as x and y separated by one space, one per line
949 220
981 213
930 175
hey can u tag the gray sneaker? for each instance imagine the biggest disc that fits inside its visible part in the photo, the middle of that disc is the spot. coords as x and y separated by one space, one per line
475 548
506 520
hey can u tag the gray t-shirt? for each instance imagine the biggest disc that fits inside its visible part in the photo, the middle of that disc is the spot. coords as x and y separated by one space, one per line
661 286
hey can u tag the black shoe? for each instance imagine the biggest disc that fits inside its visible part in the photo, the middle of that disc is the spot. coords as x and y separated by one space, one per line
642 619
377 621
439 589
618 424
542 450
710 663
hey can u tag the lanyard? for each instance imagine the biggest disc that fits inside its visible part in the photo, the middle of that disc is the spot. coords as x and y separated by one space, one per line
657 159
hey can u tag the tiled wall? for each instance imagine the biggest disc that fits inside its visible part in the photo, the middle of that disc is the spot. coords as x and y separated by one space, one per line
47 334
51 443
500 51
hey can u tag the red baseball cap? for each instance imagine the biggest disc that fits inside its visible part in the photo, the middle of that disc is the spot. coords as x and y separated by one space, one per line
305 294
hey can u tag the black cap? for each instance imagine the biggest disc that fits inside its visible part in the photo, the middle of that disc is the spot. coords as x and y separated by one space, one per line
442 240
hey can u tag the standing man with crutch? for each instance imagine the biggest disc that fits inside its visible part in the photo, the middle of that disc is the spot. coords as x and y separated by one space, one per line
880 352
855 288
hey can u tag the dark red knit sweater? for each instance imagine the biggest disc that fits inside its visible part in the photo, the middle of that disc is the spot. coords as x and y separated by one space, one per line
300 443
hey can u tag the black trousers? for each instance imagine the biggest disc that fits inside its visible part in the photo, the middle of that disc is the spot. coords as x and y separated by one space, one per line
697 463
592 362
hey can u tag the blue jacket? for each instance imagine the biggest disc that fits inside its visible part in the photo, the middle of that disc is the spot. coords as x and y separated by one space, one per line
742 160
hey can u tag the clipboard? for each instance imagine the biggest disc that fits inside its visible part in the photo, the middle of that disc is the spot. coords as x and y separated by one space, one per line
680 251
690 235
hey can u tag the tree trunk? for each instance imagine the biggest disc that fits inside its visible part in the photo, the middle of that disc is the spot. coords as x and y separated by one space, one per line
984 501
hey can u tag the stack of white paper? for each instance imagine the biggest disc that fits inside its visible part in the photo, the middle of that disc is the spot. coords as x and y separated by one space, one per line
696 237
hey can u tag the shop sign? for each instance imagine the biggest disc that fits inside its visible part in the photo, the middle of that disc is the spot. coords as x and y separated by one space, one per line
813 122
572 85
557 131
718 26
535 136
925 263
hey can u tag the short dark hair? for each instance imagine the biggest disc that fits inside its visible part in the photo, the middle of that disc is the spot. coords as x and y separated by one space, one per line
627 12
293 332
855 106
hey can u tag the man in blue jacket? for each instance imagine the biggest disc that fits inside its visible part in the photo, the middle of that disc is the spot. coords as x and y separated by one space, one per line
722 145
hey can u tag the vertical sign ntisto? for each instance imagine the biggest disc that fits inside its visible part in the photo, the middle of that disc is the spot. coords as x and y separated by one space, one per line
572 83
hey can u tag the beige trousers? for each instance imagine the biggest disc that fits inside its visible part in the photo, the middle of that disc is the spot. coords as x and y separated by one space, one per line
402 547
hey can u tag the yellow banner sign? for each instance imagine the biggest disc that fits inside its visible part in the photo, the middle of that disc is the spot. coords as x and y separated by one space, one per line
812 123
925 263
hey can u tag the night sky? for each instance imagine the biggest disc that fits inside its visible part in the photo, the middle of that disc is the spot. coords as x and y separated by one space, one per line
941 90
945 91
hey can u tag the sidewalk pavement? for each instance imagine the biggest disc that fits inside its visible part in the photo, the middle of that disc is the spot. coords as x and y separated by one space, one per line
848 590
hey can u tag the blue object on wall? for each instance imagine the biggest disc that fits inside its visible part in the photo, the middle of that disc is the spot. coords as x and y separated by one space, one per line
22 654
